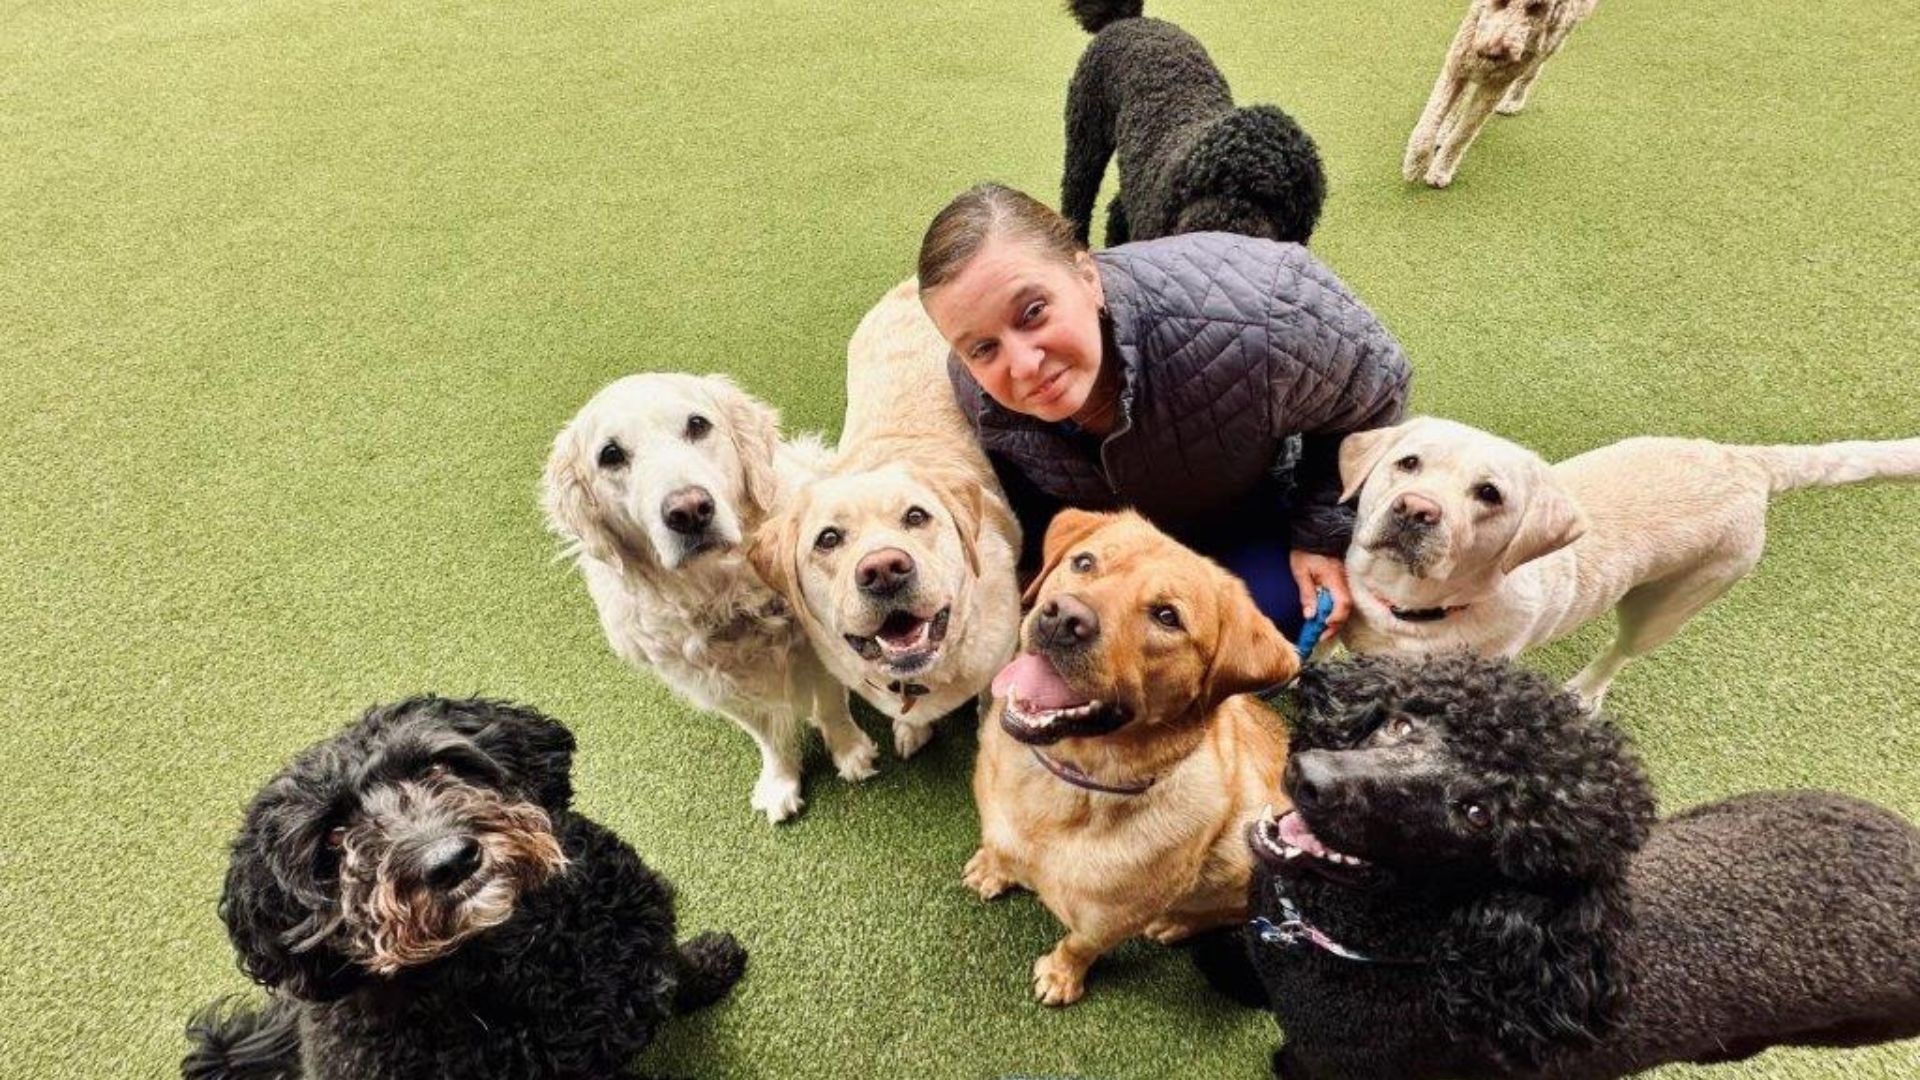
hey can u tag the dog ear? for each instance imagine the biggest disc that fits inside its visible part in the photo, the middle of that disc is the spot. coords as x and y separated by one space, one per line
567 494
967 503
276 912
534 750
1068 530
1551 521
1526 975
755 428
1251 653
1361 451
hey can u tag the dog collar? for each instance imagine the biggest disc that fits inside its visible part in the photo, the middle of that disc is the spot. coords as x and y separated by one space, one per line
909 693
1073 774
1430 614
1294 931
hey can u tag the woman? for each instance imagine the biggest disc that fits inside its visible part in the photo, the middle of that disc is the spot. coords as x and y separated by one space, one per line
1170 376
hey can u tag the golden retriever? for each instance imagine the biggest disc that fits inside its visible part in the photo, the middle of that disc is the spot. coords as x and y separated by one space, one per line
900 558
655 484
1122 761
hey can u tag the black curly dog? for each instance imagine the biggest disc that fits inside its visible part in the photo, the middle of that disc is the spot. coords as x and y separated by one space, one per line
420 902
1472 884
1189 160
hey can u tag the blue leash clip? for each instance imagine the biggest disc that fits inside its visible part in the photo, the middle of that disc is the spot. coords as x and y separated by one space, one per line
1316 626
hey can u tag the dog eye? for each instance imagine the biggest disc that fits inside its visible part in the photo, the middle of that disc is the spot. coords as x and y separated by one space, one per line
697 427
434 771
915 517
828 539
1477 816
1410 463
1165 615
1400 728
612 456
1082 563
336 838
1537 8
1488 494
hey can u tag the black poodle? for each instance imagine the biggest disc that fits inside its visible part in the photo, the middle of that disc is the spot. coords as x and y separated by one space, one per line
1189 160
1471 883
420 902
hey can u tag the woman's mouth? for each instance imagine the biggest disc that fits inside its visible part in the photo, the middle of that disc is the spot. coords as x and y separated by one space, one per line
1049 391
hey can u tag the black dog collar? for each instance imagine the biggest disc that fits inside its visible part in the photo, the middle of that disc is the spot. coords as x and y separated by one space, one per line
1074 775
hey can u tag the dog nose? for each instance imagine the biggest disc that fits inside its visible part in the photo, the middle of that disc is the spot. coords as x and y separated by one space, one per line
884 572
1417 508
1312 778
451 861
688 511
1066 622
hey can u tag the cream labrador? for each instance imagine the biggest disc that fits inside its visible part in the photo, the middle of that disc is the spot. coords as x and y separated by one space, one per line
656 484
1465 540
900 558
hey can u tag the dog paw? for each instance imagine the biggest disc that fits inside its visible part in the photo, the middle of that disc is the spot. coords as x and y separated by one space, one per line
778 797
983 876
1056 982
856 762
1414 166
909 738
1167 931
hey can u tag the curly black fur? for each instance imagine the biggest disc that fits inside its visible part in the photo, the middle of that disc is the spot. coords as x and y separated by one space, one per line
1189 160
573 983
1527 917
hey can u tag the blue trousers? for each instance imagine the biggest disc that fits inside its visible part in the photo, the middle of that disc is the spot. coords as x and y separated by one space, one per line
1263 565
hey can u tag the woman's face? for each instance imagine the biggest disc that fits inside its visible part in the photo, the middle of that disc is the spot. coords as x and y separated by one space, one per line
1027 326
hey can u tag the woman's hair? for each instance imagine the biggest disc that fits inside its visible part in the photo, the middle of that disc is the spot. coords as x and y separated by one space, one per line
981 212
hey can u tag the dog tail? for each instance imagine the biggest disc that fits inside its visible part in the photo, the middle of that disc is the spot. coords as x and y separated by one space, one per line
233 1040
1094 15
709 966
1827 464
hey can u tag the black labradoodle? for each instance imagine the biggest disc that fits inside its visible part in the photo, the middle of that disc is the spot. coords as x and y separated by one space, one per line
420 902
1472 884
1189 160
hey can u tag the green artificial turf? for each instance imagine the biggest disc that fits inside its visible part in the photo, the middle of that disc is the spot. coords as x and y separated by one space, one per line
293 297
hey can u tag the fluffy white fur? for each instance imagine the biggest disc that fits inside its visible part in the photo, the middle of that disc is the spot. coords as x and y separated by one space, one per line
1495 57
1656 528
690 607
905 447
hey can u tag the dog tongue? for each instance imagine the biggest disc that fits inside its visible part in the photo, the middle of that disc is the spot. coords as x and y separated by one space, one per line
1293 829
1034 681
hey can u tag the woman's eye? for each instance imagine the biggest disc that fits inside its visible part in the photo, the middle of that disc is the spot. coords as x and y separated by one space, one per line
1033 311
827 540
915 517
336 838
1408 463
981 352
612 455
1166 616
1488 494
1082 563
697 427
1478 816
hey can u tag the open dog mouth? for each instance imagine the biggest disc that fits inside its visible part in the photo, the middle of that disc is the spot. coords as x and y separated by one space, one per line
1284 842
904 642
1040 708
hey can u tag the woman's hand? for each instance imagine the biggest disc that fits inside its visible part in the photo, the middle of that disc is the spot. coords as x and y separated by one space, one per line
1314 572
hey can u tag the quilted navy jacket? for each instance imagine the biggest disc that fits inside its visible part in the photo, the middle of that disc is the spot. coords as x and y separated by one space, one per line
1230 345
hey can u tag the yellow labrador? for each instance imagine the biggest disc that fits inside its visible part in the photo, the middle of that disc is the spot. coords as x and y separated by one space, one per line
1465 540
900 558
1118 769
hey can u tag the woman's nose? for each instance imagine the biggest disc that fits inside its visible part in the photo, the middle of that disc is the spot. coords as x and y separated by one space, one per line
1025 360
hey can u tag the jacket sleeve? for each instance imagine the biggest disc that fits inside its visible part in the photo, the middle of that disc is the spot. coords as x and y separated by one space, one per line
1334 373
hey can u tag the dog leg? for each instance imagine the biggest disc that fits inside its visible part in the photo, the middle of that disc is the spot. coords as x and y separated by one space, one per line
777 792
1464 127
853 753
1650 616
1117 231
709 966
1089 148
987 875
1515 98
1172 928
1060 977
908 738
1445 95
